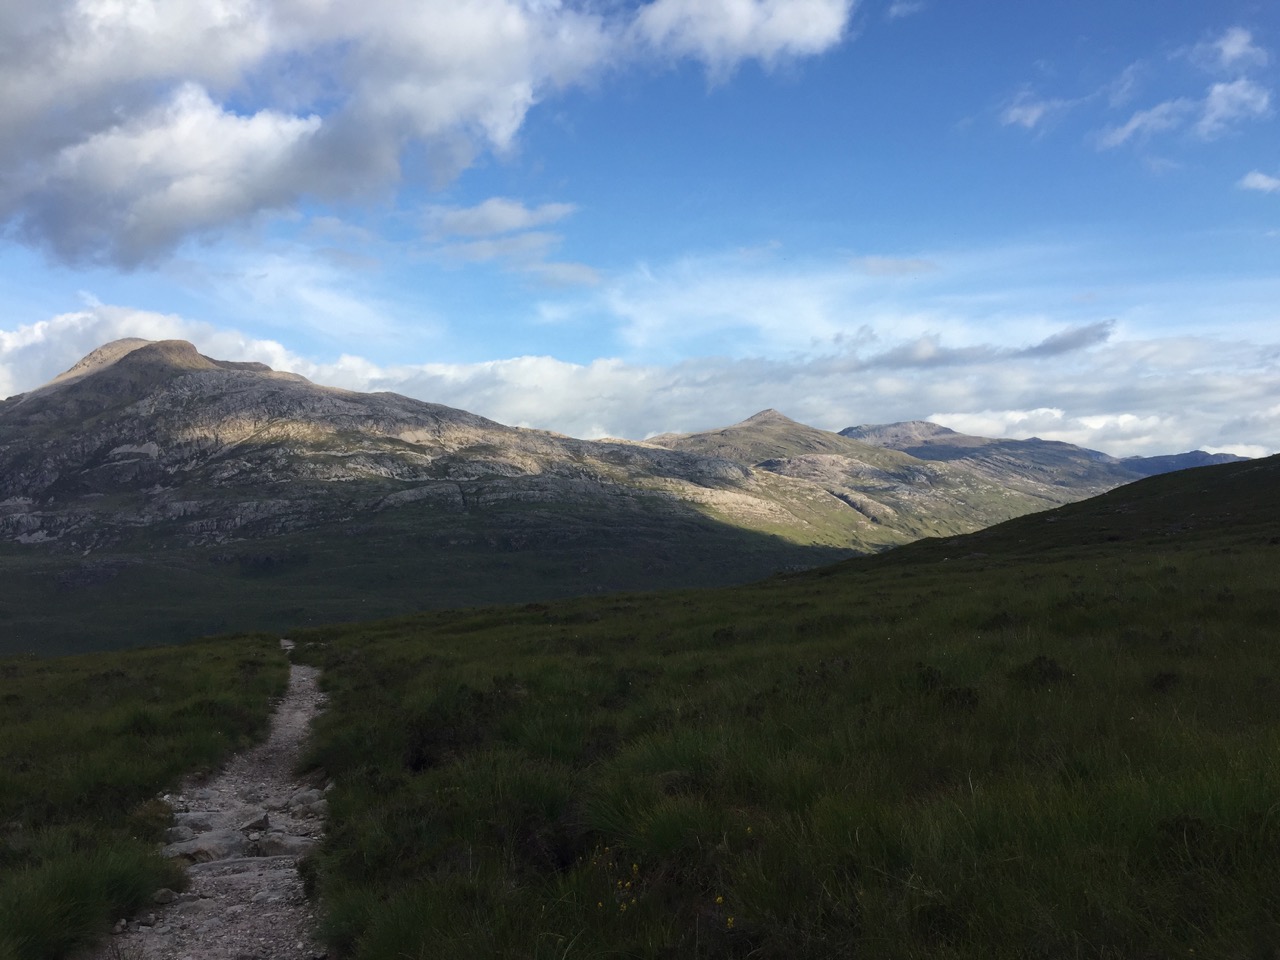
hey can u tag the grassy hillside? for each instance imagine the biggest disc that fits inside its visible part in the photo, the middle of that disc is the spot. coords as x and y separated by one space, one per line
1059 737
1056 738
86 745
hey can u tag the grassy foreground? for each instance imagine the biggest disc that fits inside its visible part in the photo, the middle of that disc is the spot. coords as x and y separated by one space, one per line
1060 738
86 743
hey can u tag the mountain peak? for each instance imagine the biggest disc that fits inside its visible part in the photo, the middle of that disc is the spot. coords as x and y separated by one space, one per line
105 356
129 367
768 415
134 353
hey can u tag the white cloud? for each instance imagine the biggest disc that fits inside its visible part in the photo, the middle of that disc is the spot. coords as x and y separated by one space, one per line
1122 89
722 33
521 248
1257 180
1223 106
1234 50
1096 387
877 266
34 354
1240 450
185 167
1028 111
496 215
1228 103
502 228
904 8
561 274
1109 431
766 302
1158 119
219 97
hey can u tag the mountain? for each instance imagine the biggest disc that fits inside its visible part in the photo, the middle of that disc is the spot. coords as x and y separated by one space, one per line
156 436
1170 463
1034 466
907 496
152 493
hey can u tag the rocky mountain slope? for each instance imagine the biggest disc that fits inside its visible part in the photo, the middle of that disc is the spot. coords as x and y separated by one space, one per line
898 491
154 435
1044 467
154 493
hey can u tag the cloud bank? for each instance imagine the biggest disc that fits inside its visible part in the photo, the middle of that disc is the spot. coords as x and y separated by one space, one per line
1090 384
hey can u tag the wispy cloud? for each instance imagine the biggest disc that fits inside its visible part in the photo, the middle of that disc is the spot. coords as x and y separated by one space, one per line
1220 109
1029 111
501 230
496 215
1226 104
1162 117
1233 50
1070 340
1223 107
904 8
1257 180
877 266
1123 88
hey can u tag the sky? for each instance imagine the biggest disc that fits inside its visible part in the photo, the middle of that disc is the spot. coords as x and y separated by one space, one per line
626 217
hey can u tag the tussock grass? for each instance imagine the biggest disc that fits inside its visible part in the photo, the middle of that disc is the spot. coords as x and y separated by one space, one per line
87 744
1069 751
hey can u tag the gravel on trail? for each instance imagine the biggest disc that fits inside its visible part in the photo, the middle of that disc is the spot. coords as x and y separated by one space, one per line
242 834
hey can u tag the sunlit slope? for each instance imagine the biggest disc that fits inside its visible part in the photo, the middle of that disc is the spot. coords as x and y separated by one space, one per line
907 497
1040 467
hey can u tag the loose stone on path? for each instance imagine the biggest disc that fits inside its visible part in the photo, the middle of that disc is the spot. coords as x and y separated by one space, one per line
241 835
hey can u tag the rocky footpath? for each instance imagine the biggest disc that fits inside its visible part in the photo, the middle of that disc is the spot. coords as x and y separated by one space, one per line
242 836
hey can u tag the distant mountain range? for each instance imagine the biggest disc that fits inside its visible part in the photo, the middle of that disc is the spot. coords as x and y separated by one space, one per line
216 495
1033 461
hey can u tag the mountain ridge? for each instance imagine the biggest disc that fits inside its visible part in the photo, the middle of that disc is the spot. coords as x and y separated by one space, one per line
148 462
929 440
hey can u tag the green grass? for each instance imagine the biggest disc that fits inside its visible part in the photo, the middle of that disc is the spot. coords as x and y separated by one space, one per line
1059 738
88 743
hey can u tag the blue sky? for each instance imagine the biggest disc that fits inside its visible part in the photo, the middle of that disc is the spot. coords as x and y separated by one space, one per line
624 218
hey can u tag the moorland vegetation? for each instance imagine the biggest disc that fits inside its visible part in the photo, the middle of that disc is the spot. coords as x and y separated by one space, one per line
1058 737
86 745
